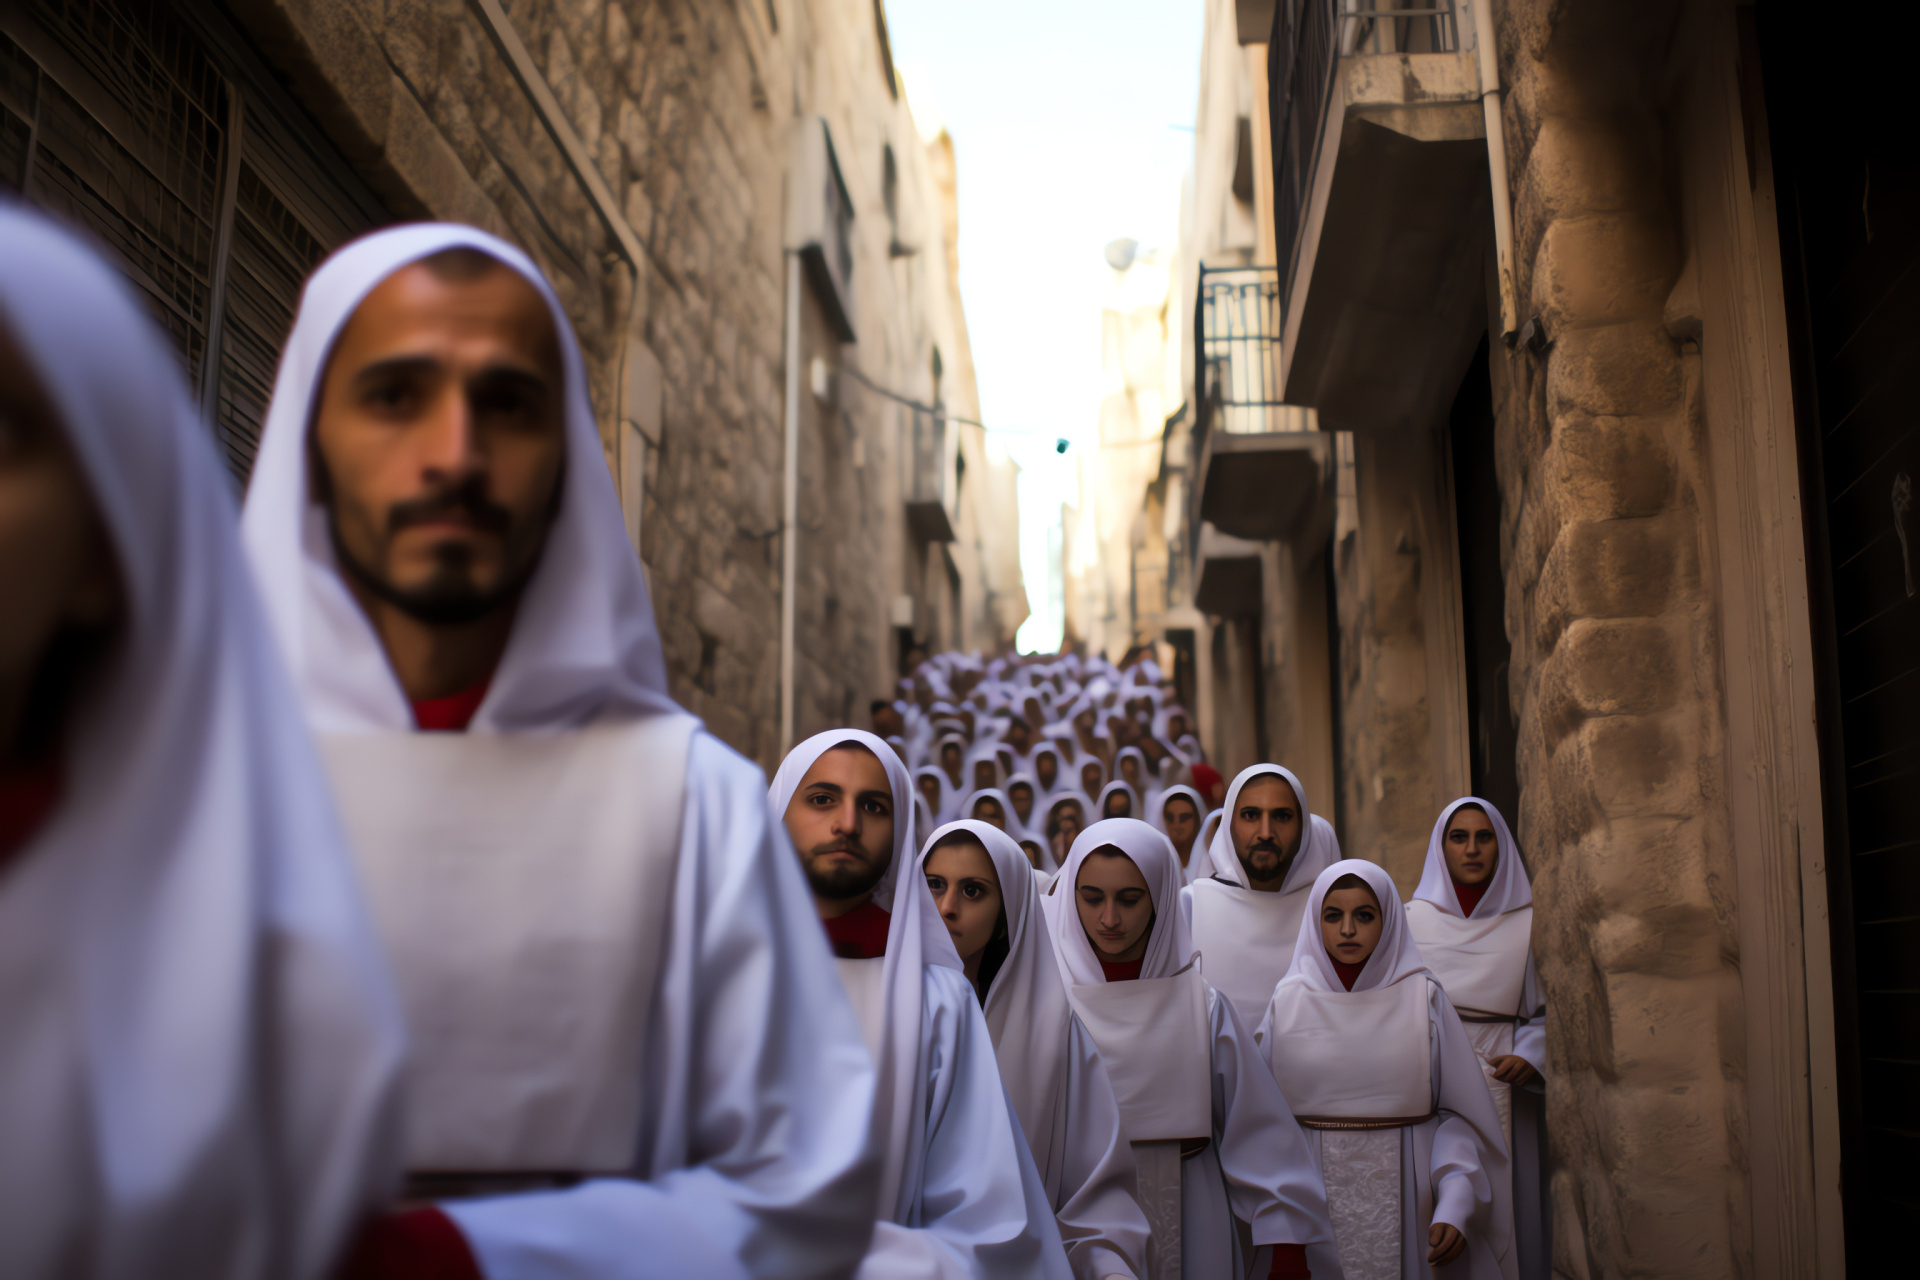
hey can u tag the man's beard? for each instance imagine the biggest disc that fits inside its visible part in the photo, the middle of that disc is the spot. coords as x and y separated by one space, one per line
842 880
1276 870
449 597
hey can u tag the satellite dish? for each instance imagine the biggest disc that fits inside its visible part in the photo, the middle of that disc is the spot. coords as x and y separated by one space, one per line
1121 253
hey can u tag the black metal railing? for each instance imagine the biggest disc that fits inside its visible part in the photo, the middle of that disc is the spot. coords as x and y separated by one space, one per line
1309 37
1300 61
1236 329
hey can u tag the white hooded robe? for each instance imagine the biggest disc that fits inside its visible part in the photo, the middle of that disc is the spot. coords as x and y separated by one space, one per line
744 1147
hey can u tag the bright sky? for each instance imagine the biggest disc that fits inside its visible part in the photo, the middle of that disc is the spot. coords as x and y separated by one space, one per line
1072 125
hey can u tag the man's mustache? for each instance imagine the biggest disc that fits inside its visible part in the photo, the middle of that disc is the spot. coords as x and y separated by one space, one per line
1266 846
468 500
842 845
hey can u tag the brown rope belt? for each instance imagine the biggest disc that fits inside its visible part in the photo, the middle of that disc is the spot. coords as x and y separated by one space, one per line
1476 1015
1363 1122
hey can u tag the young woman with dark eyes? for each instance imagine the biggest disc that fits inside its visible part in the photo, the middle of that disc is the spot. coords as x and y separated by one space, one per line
1214 1137
990 902
1472 917
1374 1060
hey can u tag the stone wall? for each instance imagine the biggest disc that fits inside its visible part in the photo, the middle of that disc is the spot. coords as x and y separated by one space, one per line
1616 674
687 110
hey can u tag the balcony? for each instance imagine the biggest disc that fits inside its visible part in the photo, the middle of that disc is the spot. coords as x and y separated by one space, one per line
1381 209
1261 467
928 501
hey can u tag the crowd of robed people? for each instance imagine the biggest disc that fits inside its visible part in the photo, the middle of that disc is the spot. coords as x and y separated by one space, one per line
368 908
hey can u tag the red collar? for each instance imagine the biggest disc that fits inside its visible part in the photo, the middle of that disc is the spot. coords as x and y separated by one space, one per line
453 713
28 797
1469 895
1348 973
1121 971
861 934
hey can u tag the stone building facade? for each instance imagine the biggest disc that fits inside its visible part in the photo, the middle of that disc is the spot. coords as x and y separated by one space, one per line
1593 314
648 155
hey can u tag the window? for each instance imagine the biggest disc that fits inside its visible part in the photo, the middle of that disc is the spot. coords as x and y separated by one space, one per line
156 130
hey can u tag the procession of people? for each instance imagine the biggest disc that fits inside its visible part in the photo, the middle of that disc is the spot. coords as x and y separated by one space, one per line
369 909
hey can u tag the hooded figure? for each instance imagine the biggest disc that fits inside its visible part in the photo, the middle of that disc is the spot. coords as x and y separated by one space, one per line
1044 793
618 1006
1477 940
202 1053
1247 934
1118 788
993 796
1149 784
941 785
959 1194
1215 1141
1054 1077
1392 1096
1199 863
1018 826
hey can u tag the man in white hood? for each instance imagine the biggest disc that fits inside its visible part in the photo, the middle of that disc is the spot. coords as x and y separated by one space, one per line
629 1055
1246 915
960 1196
202 1049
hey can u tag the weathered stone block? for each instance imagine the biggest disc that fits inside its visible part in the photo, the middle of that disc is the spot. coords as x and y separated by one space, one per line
1623 667
1603 269
1613 369
1608 467
1641 765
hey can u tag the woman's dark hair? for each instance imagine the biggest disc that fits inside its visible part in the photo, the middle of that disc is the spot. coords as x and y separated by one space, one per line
997 947
1351 881
1468 808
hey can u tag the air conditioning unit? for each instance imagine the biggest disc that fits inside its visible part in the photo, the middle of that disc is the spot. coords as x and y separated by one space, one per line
820 222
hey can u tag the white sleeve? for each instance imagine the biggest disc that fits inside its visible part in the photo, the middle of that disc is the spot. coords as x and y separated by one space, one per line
753 1154
983 1210
1530 1037
1469 1157
1273 1181
1100 1219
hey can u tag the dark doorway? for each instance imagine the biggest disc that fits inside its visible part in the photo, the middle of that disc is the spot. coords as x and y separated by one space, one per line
1847 181
1476 503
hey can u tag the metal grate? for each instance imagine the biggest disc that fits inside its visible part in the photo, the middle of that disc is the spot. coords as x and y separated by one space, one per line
1237 333
148 126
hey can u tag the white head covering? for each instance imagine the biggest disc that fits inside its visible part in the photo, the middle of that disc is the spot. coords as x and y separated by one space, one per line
1061 780
948 796
1135 808
995 794
916 937
1318 846
1033 785
1149 781
1510 889
202 1046
1026 1008
1395 958
1169 946
583 639
1199 861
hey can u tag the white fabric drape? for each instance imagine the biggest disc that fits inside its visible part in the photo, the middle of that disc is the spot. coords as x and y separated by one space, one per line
1257 1167
1456 1162
1055 1079
1199 861
202 1044
584 643
959 1192
752 1151
1461 950
1319 846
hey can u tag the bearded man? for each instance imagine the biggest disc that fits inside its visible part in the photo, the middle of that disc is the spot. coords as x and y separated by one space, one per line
1246 915
628 1053
959 1196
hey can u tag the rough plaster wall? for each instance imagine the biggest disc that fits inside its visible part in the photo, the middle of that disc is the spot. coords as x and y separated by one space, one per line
1382 569
1616 677
687 108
